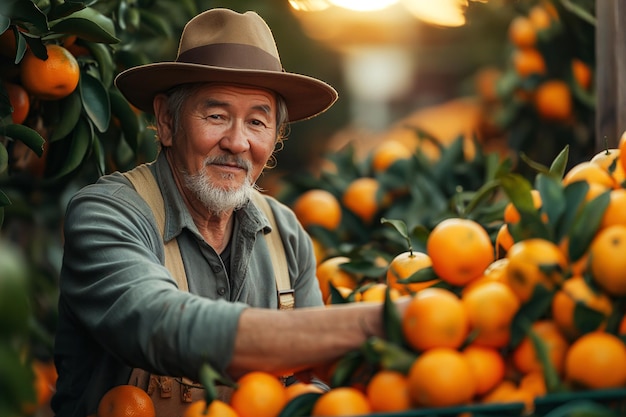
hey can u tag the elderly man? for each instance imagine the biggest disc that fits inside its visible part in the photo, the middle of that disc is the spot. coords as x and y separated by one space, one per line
170 265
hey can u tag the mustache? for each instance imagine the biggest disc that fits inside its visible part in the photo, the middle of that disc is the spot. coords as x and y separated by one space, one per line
228 160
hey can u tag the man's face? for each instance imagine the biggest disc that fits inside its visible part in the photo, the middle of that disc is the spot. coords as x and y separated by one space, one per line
226 135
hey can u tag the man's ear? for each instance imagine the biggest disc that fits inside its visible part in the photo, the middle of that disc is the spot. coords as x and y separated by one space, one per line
164 120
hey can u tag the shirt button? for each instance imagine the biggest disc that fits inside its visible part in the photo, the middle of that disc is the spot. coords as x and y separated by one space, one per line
221 291
216 268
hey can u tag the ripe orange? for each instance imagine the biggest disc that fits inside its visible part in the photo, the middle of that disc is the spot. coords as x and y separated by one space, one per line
388 391
217 408
329 272
553 100
318 207
18 97
524 355
460 250
528 61
504 241
596 360
52 79
487 365
582 73
607 262
576 291
511 214
435 317
258 394
534 262
490 308
342 401
126 401
376 293
609 159
485 83
362 198
318 250
504 392
615 212
521 32
590 172
387 153
535 383
441 377
403 266
540 17
300 388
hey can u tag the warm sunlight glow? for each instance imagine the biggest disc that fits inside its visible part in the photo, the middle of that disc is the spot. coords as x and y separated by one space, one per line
309 5
440 12
363 5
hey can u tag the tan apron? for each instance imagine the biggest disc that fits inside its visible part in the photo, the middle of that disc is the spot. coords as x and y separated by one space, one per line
171 395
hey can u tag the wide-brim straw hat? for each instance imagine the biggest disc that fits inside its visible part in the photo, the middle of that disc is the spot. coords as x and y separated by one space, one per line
223 46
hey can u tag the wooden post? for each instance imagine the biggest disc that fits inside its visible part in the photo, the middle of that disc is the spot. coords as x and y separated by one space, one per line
610 77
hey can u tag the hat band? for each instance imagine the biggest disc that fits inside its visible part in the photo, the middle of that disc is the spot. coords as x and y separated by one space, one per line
231 55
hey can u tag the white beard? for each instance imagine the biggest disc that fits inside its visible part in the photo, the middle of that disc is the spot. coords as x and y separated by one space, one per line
220 200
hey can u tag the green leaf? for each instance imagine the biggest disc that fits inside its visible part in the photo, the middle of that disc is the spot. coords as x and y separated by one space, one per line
550 374
587 319
300 406
4 199
423 275
392 321
209 378
95 101
71 108
84 28
388 355
5 22
81 143
346 367
28 136
99 155
559 164
586 225
104 57
64 9
156 23
552 197
127 117
26 12
4 158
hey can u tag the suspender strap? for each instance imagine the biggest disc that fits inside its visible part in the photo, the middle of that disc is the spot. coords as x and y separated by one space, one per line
142 179
147 187
286 300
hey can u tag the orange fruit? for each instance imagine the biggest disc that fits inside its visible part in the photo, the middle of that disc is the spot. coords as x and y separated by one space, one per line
553 100
300 388
607 262
590 172
53 79
524 355
318 207
486 81
535 383
258 394
376 293
342 401
574 291
490 308
435 317
441 377
344 291
387 153
596 360
8 46
615 212
512 215
217 408
522 32
504 392
487 365
609 160
362 198
318 250
504 241
460 250
540 17
329 272
388 391
20 102
528 61
582 73
534 262
403 266
126 401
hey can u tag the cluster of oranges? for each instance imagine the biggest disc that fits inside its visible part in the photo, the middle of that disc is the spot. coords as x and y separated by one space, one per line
54 78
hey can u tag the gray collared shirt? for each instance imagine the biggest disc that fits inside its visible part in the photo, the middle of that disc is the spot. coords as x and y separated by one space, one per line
119 308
